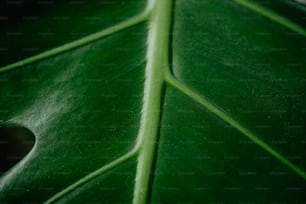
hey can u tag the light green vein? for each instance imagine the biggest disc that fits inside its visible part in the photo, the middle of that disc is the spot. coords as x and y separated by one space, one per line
157 61
83 41
93 175
222 115
273 16
137 148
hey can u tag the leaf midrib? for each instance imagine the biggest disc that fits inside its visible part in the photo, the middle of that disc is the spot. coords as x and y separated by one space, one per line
157 64
158 13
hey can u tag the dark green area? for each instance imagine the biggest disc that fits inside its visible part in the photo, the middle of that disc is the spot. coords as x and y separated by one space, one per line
33 26
290 9
201 159
116 186
251 67
254 70
83 106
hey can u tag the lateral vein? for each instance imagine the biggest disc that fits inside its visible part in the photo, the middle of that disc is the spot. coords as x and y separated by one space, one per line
273 16
222 115
80 42
93 175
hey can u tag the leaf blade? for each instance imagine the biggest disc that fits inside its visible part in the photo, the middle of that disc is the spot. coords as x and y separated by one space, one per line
60 101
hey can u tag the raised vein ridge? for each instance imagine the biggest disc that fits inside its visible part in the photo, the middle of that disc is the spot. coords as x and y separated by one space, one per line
80 42
157 74
222 115
157 62
91 176
273 16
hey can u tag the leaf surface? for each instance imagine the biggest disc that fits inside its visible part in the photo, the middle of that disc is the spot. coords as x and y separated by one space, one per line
160 101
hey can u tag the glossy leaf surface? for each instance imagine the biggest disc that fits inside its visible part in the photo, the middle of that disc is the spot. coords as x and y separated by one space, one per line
156 102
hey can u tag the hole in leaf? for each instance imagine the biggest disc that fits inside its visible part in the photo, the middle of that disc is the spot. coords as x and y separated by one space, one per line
15 143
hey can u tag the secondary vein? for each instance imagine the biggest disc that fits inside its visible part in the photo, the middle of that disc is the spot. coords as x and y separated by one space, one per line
92 175
157 62
222 115
80 42
273 16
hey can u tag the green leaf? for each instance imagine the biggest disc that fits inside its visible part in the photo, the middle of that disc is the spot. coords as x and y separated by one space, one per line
156 102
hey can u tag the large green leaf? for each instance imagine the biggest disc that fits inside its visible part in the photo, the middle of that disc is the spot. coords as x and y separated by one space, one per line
160 101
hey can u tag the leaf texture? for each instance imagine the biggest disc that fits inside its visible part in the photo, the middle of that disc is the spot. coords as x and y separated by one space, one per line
156 102
81 110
